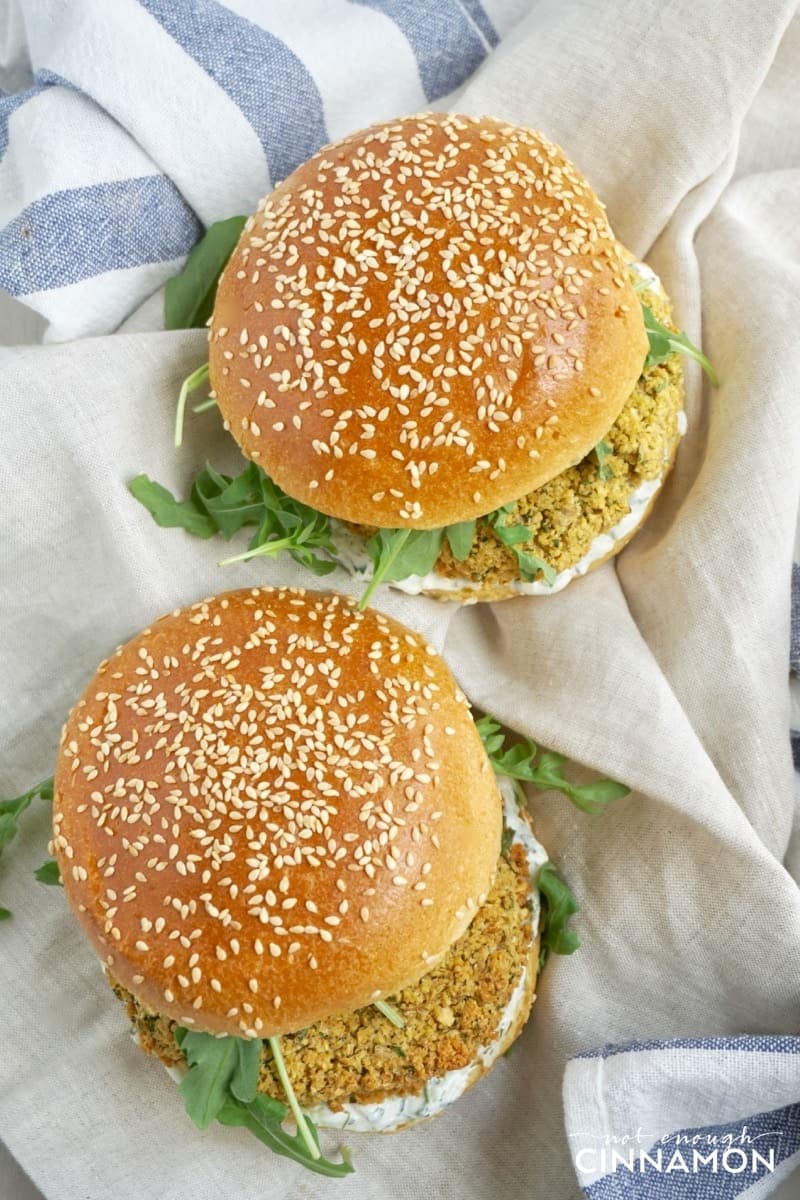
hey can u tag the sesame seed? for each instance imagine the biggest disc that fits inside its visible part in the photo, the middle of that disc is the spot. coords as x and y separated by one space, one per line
440 305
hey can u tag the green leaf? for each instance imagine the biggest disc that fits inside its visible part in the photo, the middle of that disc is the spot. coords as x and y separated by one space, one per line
490 732
220 504
603 451
665 341
590 798
263 1118
189 296
398 553
530 565
168 512
10 813
460 538
558 905
230 503
190 384
244 1081
212 1063
8 828
513 536
49 873
546 772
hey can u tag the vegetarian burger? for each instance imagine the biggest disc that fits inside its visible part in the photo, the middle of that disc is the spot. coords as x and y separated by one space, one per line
429 335
278 826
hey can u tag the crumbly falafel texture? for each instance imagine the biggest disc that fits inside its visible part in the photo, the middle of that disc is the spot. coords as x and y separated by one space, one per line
566 515
450 1014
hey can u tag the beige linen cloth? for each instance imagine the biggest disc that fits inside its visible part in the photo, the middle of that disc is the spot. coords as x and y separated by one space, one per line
667 670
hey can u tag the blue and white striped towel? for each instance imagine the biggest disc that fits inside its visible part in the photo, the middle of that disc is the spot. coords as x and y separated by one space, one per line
110 166
693 1119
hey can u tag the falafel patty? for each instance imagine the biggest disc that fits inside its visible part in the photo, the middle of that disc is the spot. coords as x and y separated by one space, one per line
583 515
359 1071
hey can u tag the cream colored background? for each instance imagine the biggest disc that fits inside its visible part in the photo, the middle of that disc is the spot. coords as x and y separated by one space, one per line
669 672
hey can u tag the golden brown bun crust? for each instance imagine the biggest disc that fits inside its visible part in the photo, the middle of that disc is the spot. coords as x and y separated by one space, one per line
425 321
270 808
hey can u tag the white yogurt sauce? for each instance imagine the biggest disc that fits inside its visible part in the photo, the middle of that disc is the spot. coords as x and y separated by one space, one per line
352 555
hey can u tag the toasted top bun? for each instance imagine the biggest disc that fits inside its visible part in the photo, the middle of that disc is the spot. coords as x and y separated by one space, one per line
271 808
425 321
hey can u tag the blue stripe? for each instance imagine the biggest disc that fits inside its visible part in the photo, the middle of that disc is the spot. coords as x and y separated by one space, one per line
9 104
748 1043
264 78
80 232
794 649
481 19
778 1130
446 44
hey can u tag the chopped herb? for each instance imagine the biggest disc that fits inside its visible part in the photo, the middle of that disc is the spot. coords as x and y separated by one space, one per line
189 296
49 873
603 450
10 813
398 1050
558 905
507 840
544 769
398 553
665 341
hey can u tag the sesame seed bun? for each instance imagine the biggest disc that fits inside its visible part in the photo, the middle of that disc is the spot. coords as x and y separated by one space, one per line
271 808
425 321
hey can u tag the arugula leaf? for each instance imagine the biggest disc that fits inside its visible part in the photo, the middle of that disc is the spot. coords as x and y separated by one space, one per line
231 503
168 512
263 1117
10 813
189 296
190 383
603 450
244 1081
590 797
398 553
513 536
460 538
665 341
222 1084
490 734
213 1062
519 761
558 905
49 873
221 504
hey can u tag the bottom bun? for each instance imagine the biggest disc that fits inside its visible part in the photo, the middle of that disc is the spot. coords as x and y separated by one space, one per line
359 1072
